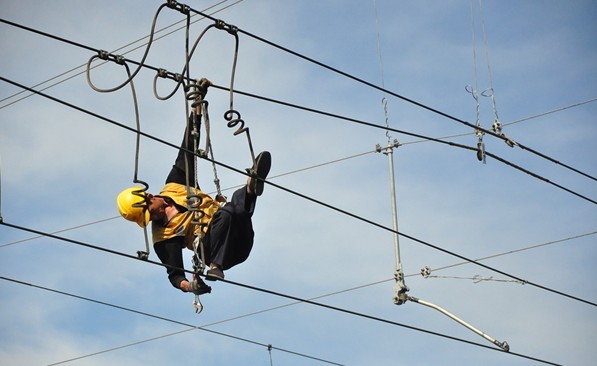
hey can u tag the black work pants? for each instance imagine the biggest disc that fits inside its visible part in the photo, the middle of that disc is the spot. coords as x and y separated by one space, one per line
229 237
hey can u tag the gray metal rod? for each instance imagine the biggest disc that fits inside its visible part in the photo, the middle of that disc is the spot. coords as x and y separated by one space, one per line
503 345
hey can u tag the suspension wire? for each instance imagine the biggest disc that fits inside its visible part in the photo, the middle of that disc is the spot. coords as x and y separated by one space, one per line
238 30
334 308
269 348
489 73
140 192
384 100
159 318
474 92
361 122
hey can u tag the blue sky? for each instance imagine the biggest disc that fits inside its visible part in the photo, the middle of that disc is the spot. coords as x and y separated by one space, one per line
61 169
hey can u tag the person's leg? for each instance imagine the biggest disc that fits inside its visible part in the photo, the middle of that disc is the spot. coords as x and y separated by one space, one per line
229 239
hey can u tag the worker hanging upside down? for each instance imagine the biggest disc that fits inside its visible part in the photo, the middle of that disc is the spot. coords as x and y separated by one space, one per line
227 230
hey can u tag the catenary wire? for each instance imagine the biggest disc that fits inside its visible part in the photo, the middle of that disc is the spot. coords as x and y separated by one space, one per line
354 78
332 294
275 293
160 318
321 203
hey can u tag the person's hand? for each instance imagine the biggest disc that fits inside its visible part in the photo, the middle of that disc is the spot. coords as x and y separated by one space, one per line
198 287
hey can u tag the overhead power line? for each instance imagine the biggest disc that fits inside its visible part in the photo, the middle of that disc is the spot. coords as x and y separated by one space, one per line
174 4
331 294
310 198
138 312
515 166
349 312
361 219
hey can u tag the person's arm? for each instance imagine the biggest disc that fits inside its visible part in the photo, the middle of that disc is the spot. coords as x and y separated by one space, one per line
181 165
170 253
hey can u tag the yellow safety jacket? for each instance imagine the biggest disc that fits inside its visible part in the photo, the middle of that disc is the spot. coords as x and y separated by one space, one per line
180 225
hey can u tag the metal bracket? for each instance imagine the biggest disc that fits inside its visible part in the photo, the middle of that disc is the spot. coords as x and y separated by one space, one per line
503 345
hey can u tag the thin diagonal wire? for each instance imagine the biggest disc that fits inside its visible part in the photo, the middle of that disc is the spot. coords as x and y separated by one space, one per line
159 318
350 312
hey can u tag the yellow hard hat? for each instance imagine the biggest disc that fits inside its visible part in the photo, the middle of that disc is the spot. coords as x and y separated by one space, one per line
131 205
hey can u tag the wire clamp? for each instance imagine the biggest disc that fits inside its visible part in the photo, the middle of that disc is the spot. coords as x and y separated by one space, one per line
497 128
103 54
232 29
426 272
107 56
142 255
173 4
165 74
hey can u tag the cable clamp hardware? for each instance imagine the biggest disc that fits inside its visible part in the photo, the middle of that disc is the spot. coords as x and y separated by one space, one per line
165 74
107 56
232 29
173 4
497 128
